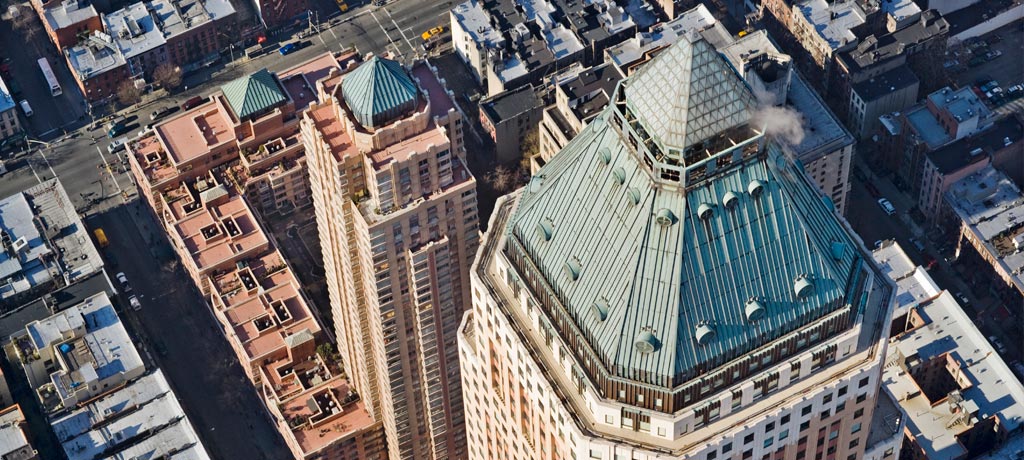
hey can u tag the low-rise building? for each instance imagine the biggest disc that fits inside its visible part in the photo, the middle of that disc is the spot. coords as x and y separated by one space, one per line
578 100
508 118
508 44
954 161
959 398
10 124
14 443
143 419
884 73
77 354
945 116
45 244
98 66
67 21
988 206
141 36
633 51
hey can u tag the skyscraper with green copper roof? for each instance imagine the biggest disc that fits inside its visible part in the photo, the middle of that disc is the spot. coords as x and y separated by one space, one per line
671 285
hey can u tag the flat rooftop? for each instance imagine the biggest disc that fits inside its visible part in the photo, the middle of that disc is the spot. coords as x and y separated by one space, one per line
510 104
141 420
13 323
991 206
263 304
40 228
135 30
591 90
913 283
983 387
472 17
833 21
876 49
6 100
102 351
69 13
961 104
14 444
300 81
900 9
927 126
93 56
698 19
217 233
978 146
823 133
896 79
191 134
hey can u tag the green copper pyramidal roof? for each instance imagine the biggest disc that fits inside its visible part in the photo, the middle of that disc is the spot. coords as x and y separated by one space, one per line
667 281
379 91
253 94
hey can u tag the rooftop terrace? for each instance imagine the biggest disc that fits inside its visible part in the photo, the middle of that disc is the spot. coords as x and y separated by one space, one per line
261 302
833 21
93 56
194 133
215 233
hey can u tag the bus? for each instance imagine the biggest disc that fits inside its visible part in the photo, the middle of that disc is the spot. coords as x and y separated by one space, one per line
51 79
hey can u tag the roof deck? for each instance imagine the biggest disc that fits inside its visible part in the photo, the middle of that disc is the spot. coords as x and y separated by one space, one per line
322 413
261 301
405 149
196 132
216 233
440 102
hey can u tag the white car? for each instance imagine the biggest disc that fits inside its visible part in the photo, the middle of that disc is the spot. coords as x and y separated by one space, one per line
134 301
124 282
887 206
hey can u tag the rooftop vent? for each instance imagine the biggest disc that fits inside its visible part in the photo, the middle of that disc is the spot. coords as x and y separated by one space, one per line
634 195
545 230
600 308
704 211
838 249
730 200
646 342
755 188
605 155
665 217
803 286
572 269
705 333
754 309
620 175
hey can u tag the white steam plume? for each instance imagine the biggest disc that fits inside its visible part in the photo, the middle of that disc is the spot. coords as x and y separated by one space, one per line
780 122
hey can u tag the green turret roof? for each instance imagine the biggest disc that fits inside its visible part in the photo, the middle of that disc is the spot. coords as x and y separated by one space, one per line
253 94
378 92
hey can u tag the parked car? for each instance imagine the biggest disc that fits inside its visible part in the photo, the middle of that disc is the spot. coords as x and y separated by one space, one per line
992 55
988 85
288 49
124 282
160 113
134 301
962 298
887 206
117 130
917 244
26 108
997 344
193 102
117 145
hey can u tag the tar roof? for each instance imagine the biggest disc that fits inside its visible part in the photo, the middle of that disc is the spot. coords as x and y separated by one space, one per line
976 147
254 94
886 83
510 104
642 267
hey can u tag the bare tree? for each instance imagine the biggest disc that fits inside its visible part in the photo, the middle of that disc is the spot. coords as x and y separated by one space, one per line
530 144
23 20
501 179
128 93
168 76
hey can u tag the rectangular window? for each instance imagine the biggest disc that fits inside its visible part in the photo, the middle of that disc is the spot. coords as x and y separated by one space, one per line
748 438
858 413
783 434
856 428
863 382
